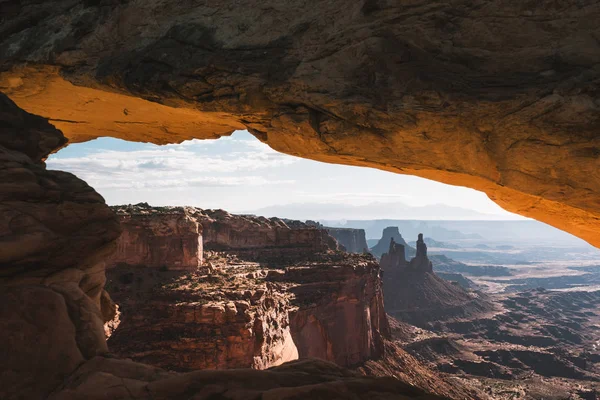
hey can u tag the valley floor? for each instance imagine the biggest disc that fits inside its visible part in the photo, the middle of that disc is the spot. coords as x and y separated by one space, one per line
540 345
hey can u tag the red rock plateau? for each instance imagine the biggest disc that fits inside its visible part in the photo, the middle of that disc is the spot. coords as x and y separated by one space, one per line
312 301
309 301
157 239
416 295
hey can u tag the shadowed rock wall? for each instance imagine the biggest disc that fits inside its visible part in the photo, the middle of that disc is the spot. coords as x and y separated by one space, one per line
353 240
55 231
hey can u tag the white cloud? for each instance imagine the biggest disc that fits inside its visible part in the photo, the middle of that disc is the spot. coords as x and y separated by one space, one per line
190 164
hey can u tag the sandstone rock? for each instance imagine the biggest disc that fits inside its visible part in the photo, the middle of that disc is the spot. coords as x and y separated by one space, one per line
395 258
262 239
49 220
353 240
37 342
500 96
183 322
332 309
102 378
421 262
169 238
54 233
391 233
416 295
339 315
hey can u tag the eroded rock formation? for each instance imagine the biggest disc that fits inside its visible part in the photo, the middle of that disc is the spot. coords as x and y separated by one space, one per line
339 313
262 239
230 314
188 321
500 96
55 231
391 233
353 240
169 237
415 294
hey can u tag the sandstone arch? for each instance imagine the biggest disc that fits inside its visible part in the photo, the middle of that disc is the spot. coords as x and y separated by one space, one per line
500 96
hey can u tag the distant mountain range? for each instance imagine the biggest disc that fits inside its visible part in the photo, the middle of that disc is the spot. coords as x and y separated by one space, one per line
439 222
471 233
334 211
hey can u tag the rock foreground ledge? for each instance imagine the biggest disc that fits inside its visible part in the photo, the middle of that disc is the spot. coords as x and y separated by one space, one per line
500 96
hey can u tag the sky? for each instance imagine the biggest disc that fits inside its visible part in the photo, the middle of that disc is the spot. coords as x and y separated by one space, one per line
240 174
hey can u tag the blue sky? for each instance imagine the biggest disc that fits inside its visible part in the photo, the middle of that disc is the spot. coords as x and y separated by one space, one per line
241 174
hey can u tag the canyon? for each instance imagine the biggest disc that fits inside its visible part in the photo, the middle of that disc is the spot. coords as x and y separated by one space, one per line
232 312
499 96
274 291
57 237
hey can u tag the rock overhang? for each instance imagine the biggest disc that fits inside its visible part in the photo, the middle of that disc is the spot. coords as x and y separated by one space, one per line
499 97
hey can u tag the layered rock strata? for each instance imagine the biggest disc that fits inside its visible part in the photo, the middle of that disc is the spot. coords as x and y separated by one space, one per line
339 314
233 313
188 321
262 239
353 240
55 232
171 238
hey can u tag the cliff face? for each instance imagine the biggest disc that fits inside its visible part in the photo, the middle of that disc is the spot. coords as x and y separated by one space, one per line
184 321
353 240
233 313
55 231
262 239
415 294
338 314
171 238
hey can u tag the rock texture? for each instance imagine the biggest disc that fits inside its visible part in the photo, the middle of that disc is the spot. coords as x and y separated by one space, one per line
102 378
500 96
353 240
262 239
340 315
415 294
233 313
54 232
184 321
158 238
245 316
539 344
58 231
392 233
